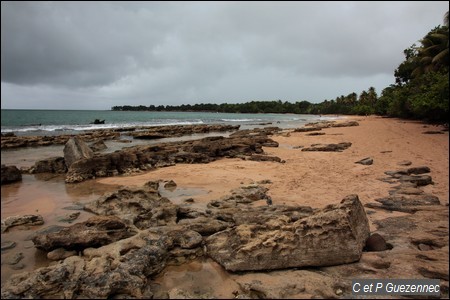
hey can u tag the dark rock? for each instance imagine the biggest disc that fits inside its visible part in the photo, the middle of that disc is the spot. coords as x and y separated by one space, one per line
365 161
376 243
315 133
418 170
8 245
260 157
10 174
95 232
307 129
50 165
328 147
138 158
419 180
432 132
76 149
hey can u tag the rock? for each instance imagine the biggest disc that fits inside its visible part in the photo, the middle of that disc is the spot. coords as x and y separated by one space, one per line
307 129
6 245
95 232
50 165
334 235
315 133
260 157
60 253
405 163
365 161
170 185
45 230
405 203
419 180
12 258
418 170
141 208
146 157
328 147
98 146
76 149
28 220
69 218
376 243
10 174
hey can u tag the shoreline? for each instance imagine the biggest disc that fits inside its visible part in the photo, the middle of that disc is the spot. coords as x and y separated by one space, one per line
313 179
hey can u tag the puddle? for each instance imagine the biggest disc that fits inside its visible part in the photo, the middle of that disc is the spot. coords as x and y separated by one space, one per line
184 196
201 278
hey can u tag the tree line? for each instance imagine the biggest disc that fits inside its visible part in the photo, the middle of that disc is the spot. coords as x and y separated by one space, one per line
421 90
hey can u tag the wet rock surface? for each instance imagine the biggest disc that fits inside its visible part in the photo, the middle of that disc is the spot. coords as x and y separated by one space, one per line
119 260
10 174
24 220
138 158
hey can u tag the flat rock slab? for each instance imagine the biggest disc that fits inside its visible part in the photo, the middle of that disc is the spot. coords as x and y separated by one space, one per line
30 220
329 147
335 235
95 232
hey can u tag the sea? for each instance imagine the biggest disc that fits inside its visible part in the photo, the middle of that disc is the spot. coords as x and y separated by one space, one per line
56 122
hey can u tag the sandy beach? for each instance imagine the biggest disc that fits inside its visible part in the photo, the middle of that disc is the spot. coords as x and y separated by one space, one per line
317 179
313 179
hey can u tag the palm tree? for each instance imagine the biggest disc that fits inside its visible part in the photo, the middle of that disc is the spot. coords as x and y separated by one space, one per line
433 54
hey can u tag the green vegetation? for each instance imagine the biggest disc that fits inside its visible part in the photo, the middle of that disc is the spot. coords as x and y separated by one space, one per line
420 91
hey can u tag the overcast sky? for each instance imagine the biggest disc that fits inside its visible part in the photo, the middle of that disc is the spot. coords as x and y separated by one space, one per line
94 55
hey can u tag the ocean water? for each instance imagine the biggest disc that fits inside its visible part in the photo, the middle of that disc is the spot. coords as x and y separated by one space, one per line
51 122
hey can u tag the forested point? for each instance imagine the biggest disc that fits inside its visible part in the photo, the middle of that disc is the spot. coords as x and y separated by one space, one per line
420 91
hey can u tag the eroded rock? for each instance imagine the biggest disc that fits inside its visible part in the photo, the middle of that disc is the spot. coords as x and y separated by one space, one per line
95 232
338 233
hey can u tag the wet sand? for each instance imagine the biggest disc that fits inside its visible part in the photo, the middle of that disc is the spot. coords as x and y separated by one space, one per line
306 178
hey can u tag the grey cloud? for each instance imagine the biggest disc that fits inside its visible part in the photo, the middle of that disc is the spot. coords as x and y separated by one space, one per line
180 52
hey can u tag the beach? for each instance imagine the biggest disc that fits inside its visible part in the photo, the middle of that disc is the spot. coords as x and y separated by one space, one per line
302 178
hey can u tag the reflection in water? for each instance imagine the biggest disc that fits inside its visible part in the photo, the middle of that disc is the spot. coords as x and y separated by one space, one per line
46 195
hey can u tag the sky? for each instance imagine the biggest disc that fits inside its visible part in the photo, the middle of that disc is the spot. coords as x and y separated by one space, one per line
95 55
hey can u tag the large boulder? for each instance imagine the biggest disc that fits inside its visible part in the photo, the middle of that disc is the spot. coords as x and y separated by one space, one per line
332 236
76 149
10 174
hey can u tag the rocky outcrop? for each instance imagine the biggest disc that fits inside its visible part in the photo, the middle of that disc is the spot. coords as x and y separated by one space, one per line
328 147
76 149
95 232
159 132
13 141
407 196
365 161
10 174
50 165
166 154
141 208
334 235
100 259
